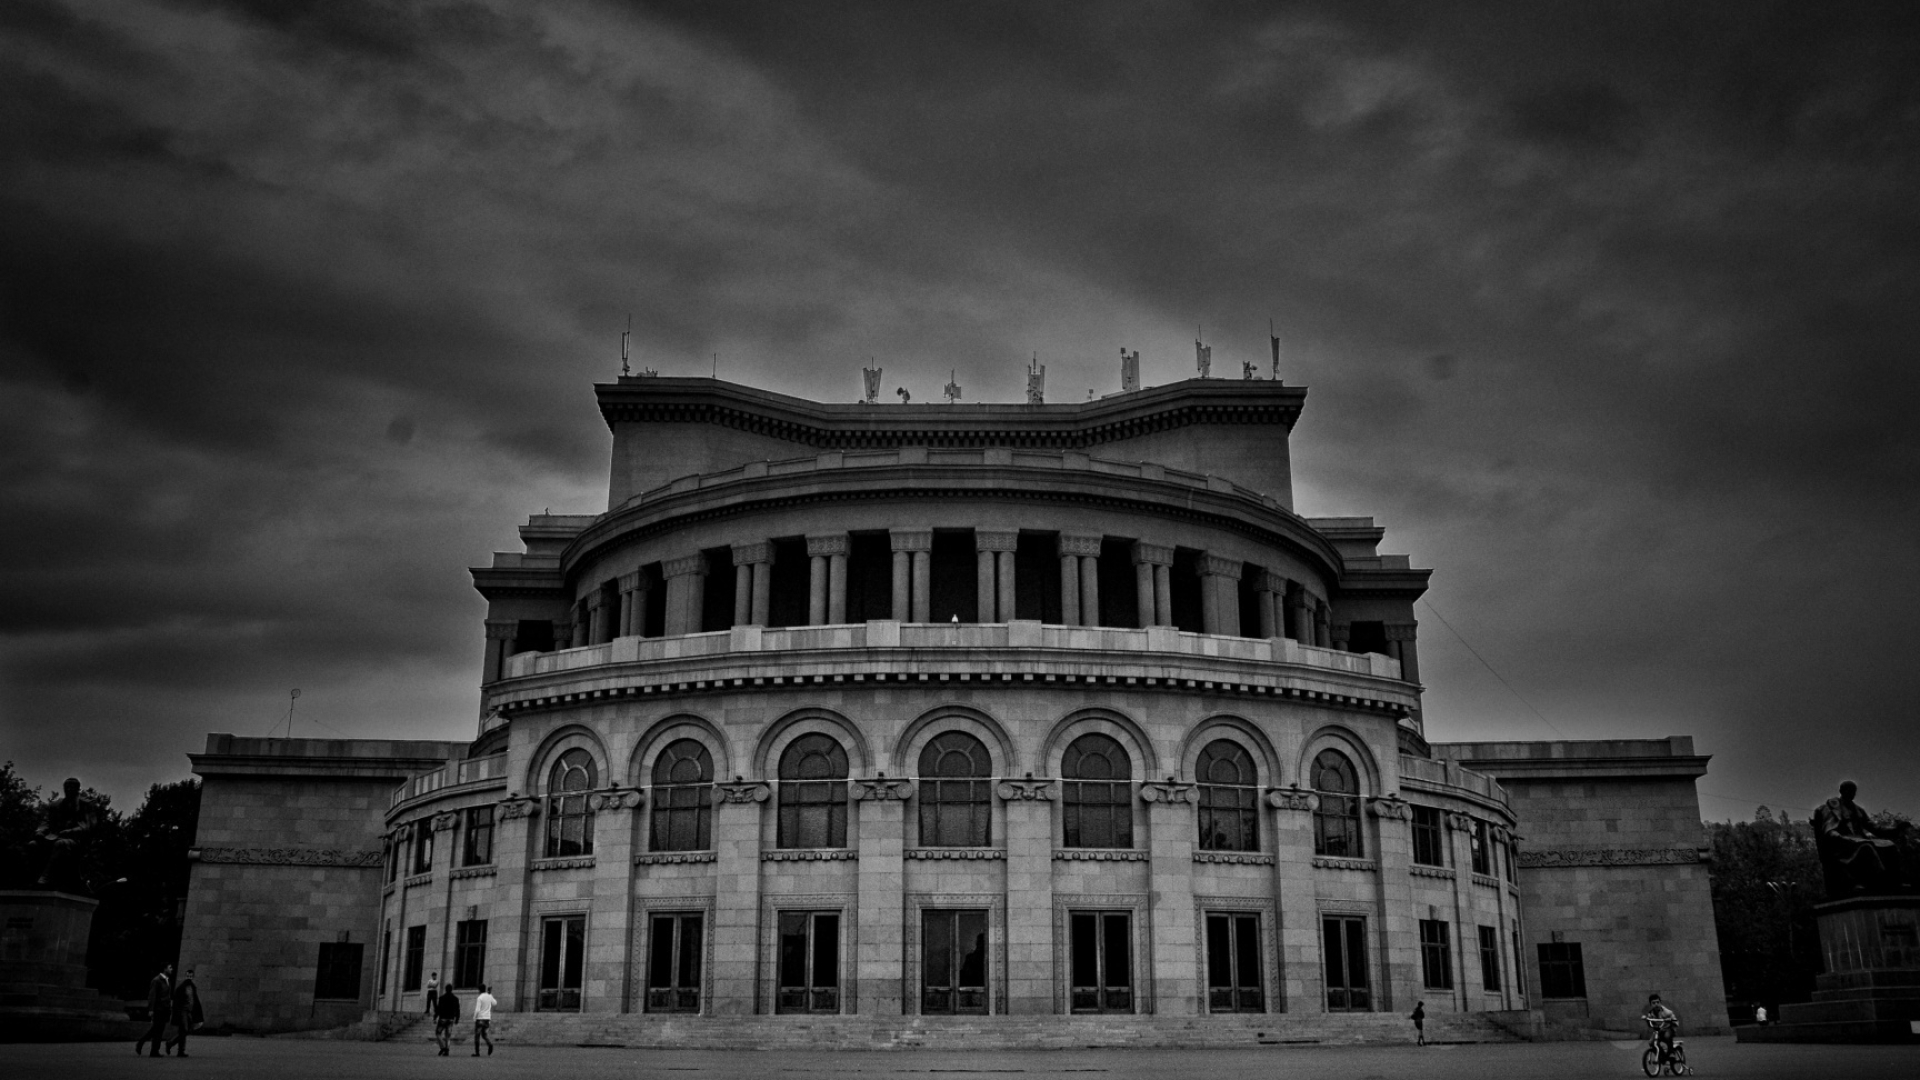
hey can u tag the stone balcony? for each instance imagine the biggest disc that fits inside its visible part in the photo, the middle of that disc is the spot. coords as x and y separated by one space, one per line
476 771
888 651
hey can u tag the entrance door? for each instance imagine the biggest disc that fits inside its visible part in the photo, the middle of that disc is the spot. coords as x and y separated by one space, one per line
953 962
563 947
1102 961
673 963
1233 962
1344 941
809 962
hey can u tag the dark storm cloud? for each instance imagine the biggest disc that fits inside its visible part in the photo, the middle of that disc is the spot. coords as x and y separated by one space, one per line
1606 311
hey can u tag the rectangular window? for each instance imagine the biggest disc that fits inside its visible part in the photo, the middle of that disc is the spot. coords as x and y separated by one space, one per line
674 959
469 953
394 857
1233 962
1098 813
1344 951
1519 965
423 848
1429 841
809 962
338 976
1562 972
953 961
1436 959
477 849
1482 848
386 955
416 958
1489 958
813 814
1100 945
563 949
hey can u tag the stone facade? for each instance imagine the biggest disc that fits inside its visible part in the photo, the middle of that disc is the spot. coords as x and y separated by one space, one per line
876 711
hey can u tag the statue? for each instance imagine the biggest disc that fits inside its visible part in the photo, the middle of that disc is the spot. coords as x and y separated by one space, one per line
64 827
1129 370
1036 382
871 376
1203 359
1856 855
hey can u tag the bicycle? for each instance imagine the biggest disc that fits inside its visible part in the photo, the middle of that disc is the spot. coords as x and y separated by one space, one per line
1660 1058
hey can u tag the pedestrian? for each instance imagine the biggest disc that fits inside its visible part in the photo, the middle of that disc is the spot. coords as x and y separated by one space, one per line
1760 1015
159 1007
482 1020
445 1014
433 991
187 1014
1420 1023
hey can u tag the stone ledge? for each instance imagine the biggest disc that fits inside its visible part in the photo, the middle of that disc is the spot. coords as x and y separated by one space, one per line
417 880
466 872
669 858
810 855
576 862
1098 855
956 853
1332 862
1445 872
1233 858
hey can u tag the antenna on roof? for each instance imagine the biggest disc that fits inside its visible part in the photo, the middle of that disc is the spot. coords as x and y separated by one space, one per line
292 696
624 335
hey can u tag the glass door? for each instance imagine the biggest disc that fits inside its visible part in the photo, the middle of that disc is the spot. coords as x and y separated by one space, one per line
1233 962
953 962
1101 964
673 963
1344 942
809 964
563 947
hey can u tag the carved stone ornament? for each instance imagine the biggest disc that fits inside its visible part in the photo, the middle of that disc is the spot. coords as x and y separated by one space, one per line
1533 860
1502 835
1156 791
445 822
616 799
1029 788
882 789
288 856
517 808
1390 808
742 791
1458 822
1081 543
1293 798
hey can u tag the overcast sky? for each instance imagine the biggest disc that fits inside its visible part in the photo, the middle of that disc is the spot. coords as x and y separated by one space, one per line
1608 314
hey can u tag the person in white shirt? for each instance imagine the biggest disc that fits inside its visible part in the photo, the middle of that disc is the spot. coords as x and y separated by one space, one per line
482 1020
433 993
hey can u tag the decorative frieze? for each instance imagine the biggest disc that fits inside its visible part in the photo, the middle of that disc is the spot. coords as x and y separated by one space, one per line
445 822
1155 791
882 789
1028 789
466 872
1145 554
810 855
1218 566
615 799
1458 822
1081 544
1390 808
674 858
1293 798
1098 855
681 567
1334 862
511 808
1540 860
911 539
760 551
822 544
576 862
417 880
1431 871
1233 858
288 856
1401 631
742 791
1000 540
964 853
1486 880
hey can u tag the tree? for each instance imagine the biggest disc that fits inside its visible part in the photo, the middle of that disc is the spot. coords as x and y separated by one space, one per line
1766 879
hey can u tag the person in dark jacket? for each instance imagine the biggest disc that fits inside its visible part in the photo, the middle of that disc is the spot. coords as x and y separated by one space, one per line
1419 1019
446 1013
187 1014
159 1007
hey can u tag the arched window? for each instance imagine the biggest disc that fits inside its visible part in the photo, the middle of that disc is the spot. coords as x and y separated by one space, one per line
569 822
683 798
1098 793
954 804
1229 798
1336 825
813 793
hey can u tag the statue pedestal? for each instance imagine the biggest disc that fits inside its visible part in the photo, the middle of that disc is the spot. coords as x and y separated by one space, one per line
1870 991
43 971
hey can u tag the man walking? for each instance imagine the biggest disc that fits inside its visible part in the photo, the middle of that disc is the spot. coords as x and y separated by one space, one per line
446 1013
1419 1019
187 1014
482 1020
159 1007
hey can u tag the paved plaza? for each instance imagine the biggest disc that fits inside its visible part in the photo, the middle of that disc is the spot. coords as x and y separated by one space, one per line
286 1059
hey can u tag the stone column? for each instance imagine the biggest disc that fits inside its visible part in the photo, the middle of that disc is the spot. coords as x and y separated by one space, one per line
742 593
1342 635
996 574
562 633
1175 948
736 907
911 573
985 584
686 585
1302 980
1400 639
610 935
512 931
1322 634
1269 626
633 604
582 624
1219 594
1300 604
753 563
499 639
1399 934
827 585
1460 839
1080 553
597 615
1151 562
1069 586
1029 814
880 953
1006 609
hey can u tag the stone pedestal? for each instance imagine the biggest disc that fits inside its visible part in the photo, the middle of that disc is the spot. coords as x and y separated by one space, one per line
43 971
1870 991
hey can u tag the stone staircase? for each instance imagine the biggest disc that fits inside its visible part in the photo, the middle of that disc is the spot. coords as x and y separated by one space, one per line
994 1032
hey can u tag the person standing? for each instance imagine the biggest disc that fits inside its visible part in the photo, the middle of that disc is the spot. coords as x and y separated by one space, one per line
1760 1015
1420 1023
159 1007
433 991
446 1013
483 1019
187 1014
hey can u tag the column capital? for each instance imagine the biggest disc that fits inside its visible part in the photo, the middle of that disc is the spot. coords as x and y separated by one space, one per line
1081 543
1168 791
633 581
681 567
596 600
760 551
827 544
601 802
1146 554
742 791
511 808
1340 632
997 540
1271 582
502 629
911 539
445 822
1293 798
1401 631
1027 789
1391 808
1458 822
882 789
1219 566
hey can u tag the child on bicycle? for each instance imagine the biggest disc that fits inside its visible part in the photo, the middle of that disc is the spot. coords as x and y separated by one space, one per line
1664 1023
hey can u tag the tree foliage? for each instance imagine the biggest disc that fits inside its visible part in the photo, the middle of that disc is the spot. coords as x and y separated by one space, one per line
1766 879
